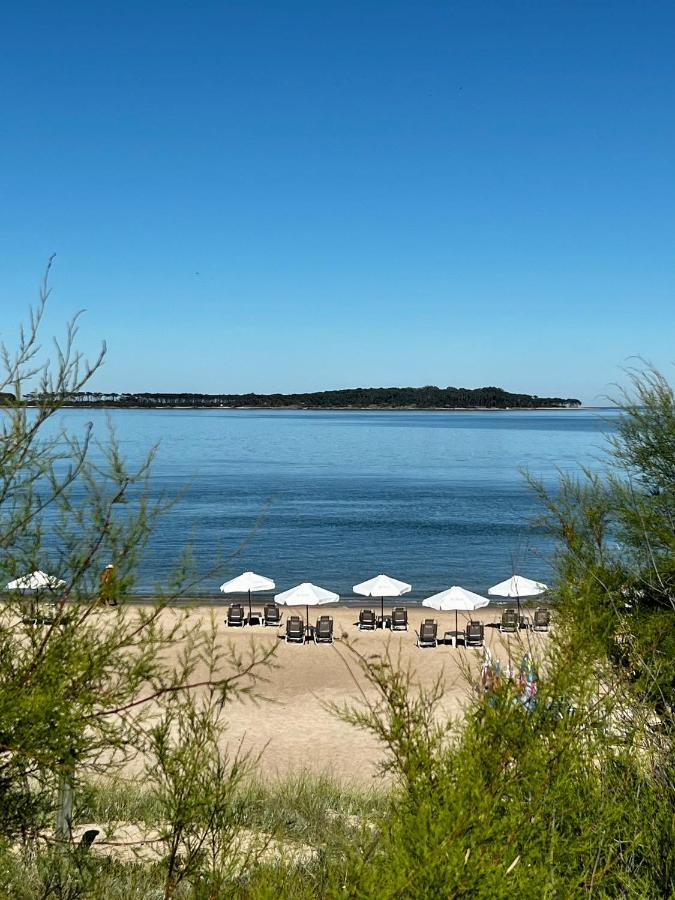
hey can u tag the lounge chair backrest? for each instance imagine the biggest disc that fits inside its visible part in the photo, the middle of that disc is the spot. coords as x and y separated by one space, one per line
295 626
542 617
272 613
428 630
474 631
324 627
367 616
235 612
399 616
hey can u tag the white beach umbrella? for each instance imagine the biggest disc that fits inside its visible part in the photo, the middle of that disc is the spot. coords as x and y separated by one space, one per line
306 594
382 586
247 581
36 581
457 598
517 587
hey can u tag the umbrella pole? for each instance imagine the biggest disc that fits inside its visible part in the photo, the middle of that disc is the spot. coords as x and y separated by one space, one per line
456 626
249 606
382 610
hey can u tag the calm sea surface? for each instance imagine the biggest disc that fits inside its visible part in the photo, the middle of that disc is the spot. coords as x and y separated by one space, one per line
433 498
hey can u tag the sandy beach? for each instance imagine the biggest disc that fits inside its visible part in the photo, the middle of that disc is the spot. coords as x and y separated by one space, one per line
292 729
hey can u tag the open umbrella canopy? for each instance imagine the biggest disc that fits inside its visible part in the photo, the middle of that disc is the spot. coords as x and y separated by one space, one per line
247 581
457 598
517 587
36 581
306 594
382 586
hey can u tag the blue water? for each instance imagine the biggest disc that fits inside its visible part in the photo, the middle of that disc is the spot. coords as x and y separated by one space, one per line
433 498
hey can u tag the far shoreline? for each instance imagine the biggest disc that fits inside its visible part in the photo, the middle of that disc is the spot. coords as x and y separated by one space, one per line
328 409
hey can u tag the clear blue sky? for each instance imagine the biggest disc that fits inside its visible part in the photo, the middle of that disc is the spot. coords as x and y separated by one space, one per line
371 193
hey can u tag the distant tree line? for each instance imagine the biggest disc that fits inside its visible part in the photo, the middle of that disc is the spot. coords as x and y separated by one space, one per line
349 398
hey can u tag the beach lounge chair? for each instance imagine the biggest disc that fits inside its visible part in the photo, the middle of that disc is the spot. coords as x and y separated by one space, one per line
235 615
542 619
428 634
295 629
271 614
367 620
399 619
475 634
323 632
509 621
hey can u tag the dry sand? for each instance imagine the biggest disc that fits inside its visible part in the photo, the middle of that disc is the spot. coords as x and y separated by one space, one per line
294 732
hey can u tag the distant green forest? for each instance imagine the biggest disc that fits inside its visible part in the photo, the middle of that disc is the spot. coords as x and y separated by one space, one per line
428 397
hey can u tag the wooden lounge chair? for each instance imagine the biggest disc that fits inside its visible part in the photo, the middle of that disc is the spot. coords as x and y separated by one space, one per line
509 621
295 630
399 619
428 634
475 634
271 614
235 615
323 632
367 620
542 619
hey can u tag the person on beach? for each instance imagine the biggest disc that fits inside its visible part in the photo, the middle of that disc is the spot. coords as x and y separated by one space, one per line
109 587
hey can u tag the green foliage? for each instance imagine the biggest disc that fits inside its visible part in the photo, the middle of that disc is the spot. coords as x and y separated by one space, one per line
81 679
546 802
616 538
315 813
429 397
192 783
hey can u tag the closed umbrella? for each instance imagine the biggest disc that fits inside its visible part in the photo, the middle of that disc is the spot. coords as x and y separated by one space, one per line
306 594
457 598
382 586
250 582
516 587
